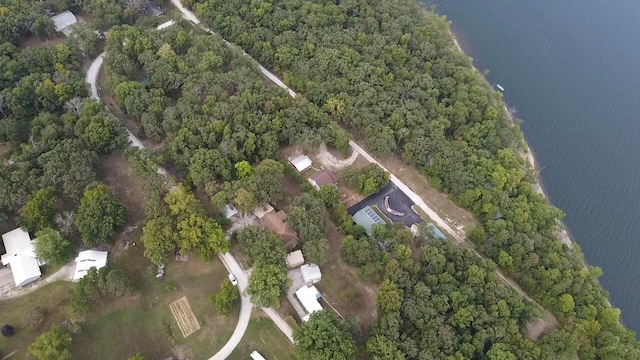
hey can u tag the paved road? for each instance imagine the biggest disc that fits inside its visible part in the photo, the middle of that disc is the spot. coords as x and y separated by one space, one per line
91 79
245 307
227 259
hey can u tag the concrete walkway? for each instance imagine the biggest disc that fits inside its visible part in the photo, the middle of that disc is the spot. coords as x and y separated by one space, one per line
9 291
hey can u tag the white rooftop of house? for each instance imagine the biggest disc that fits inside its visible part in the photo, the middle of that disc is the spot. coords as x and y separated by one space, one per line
308 296
20 256
88 259
301 163
311 273
229 211
64 20
295 259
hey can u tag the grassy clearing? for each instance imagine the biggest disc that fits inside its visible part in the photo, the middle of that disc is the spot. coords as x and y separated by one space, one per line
140 323
53 299
264 337
144 323
341 287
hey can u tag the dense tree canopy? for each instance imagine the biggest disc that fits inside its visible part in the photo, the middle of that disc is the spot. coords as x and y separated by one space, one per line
52 345
225 114
51 247
324 337
39 210
100 216
390 72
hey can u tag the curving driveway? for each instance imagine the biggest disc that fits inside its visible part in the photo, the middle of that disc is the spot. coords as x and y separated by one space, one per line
227 259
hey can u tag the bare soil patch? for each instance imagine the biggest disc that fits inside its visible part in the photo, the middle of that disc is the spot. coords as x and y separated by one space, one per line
185 318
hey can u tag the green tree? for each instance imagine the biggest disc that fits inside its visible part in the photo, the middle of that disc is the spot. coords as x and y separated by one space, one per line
306 217
267 284
159 239
51 247
330 195
266 181
99 217
323 337
317 251
227 299
137 357
262 245
85 37
389 298
243 169
202 236
52 345
39 210
182 203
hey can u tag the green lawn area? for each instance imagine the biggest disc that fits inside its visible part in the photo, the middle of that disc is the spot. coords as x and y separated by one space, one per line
143 323
140 323
53 299
264 337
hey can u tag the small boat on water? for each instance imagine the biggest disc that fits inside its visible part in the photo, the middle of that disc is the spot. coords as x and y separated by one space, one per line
499 87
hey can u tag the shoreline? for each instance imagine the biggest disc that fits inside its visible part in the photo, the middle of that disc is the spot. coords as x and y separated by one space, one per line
561 232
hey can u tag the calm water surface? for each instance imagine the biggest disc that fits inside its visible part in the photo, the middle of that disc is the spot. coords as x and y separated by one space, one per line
571 68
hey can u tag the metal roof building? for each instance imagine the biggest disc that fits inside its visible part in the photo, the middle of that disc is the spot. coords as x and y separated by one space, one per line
20 257
366 218
308 296
295 259
301 163
89 259
63 21
311 273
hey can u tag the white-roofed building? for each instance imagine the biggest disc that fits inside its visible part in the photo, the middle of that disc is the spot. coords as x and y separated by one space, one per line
88 259
308 297
63 21
295 259
20 257
301 163
230 211
311 273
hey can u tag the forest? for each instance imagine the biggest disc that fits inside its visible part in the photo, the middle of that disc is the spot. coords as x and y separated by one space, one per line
390 73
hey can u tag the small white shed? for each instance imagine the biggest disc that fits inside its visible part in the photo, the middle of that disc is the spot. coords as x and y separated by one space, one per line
230 211
295 259
63 21
301 163
311 273
88 259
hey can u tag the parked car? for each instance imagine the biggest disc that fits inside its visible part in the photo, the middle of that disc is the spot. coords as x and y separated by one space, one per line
233 279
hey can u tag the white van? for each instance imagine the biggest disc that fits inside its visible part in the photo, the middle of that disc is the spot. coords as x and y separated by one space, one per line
256 356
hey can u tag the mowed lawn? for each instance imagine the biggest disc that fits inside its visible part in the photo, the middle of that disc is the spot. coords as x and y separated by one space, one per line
264 337
143 323
53 299
139 323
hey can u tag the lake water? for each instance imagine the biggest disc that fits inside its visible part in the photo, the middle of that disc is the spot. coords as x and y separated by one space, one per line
571 68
